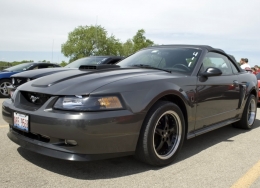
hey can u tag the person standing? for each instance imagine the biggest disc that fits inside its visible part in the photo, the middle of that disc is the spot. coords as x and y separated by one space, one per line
244 63
257 69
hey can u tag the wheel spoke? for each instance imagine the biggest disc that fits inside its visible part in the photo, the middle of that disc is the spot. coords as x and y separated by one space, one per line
171 130
169 142
166 121
159 131
159 146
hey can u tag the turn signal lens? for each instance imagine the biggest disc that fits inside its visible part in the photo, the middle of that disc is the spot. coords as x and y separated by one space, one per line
109 102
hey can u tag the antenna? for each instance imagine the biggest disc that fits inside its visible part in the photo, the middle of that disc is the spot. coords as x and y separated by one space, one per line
96 38
52 51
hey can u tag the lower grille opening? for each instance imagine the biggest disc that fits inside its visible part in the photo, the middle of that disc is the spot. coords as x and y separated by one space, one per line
33 136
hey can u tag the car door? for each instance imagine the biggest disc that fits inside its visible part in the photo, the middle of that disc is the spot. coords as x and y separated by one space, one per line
217 96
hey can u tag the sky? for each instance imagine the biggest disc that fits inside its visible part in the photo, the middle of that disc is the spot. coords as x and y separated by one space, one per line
35 29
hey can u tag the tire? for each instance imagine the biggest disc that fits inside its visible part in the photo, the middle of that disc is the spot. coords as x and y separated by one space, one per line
3 87
159 141
248 117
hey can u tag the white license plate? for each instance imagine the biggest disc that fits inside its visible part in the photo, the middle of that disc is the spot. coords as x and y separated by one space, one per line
21 121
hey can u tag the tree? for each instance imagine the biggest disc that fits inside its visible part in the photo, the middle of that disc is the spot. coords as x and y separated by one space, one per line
128 48
138 42
90 40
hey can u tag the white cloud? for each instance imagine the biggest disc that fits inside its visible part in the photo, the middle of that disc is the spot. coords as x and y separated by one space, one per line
32 25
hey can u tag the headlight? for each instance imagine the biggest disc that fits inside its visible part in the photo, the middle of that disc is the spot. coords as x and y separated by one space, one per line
13 81
81 103
13 94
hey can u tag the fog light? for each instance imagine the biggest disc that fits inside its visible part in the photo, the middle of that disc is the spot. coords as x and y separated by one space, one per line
71 142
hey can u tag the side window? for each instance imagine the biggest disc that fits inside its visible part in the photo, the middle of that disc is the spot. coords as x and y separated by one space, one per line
50 66
234 68
217 60
45 66
114 61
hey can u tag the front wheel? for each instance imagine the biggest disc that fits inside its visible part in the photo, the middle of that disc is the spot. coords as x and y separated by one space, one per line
162 134
249 114
3 87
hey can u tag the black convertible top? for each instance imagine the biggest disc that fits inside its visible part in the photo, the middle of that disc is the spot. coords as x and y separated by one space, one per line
209 48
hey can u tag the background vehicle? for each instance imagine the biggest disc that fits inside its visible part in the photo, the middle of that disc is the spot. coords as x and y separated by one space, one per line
21 78
145 105
6 73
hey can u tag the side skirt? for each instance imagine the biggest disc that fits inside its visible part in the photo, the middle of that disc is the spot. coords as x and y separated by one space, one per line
210 128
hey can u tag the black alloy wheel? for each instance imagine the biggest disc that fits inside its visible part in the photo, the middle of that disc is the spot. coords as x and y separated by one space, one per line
248 117
162 134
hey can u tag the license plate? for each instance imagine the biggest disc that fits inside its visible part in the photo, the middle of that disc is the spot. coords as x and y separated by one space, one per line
21 121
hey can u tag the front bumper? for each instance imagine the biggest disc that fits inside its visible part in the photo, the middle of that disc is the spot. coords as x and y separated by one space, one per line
98 134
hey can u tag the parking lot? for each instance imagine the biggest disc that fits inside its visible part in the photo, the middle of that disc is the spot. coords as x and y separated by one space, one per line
226 157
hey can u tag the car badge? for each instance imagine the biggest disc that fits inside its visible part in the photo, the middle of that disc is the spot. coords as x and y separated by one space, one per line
33 98
18 81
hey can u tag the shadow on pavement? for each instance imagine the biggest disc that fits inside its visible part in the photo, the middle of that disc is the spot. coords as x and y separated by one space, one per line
124 166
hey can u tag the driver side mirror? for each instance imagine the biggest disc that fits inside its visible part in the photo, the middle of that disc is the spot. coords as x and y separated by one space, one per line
211 71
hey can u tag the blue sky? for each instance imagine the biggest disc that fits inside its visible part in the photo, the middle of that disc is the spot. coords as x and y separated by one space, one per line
40 27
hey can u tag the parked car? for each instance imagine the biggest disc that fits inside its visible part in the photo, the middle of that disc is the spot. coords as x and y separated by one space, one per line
21 78
145 105
6 73
258 80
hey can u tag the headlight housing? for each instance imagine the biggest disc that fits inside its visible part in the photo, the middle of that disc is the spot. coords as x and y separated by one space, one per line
88 103
13 94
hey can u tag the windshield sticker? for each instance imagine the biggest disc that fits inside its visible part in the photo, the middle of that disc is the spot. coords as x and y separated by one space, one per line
195 53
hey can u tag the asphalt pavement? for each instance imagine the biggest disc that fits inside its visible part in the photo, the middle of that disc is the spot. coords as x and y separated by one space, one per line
227 157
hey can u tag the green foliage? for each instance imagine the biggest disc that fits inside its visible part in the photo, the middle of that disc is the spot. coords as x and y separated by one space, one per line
63 64
90 40
44 61
140 40
128 48
4 64
85 41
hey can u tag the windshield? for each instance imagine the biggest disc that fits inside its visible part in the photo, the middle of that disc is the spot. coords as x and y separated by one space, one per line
171 59
20 67
86 61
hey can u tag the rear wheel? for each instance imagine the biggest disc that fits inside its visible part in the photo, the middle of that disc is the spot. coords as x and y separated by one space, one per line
3 87
162 134
249 114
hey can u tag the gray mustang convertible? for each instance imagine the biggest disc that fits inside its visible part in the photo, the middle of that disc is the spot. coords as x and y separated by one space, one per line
146 105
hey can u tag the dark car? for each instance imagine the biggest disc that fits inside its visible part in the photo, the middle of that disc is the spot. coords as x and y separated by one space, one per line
146 105
21 78
6 73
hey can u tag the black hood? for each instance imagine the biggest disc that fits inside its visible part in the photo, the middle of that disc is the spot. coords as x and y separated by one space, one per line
77 82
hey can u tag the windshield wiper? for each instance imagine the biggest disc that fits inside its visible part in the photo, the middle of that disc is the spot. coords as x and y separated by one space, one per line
150 67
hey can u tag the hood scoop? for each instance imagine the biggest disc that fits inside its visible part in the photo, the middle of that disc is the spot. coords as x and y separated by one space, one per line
98 67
